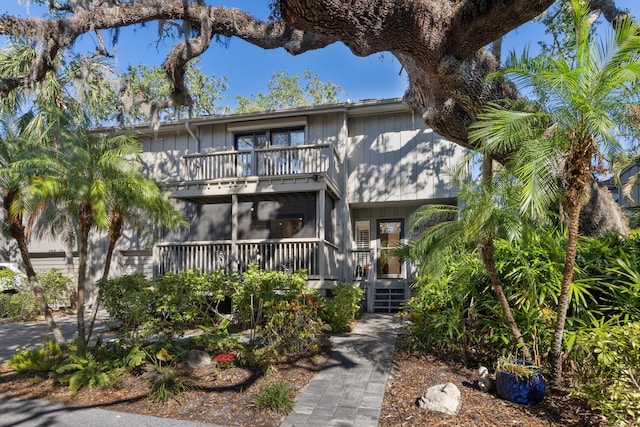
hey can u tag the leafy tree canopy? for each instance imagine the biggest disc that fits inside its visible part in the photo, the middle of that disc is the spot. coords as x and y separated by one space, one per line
286 91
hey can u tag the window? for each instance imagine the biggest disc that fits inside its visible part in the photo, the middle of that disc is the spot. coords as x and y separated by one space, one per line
287 137
249 141
290 216
285 226
363 235
390 236
269 162
270 138
362 254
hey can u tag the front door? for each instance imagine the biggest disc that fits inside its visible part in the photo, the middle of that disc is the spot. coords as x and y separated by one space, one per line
390 234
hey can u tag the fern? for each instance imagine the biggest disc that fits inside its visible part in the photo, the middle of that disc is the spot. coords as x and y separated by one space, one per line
86 370
43 359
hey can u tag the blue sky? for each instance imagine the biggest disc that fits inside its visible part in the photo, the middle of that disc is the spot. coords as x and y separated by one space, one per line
248 68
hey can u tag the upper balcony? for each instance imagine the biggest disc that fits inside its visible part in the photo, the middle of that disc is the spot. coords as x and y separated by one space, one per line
218 175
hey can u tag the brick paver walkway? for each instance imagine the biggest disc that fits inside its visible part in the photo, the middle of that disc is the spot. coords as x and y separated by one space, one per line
350 389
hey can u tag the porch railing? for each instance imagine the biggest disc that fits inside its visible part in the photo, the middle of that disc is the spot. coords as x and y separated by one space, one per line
361 264
273 161
288 255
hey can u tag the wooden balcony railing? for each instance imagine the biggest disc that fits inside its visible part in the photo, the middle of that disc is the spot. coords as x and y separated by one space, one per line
288 255
266 162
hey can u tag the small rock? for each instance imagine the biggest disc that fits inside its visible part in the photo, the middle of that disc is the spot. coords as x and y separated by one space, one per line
443 398
198 358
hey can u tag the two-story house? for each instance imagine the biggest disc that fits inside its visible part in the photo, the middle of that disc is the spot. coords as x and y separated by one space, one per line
329 189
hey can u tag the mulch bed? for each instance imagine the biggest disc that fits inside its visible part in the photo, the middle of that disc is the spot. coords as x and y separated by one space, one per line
413 374
215 396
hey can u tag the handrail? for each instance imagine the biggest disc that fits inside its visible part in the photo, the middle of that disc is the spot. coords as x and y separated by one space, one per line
240 242
275 254
282 148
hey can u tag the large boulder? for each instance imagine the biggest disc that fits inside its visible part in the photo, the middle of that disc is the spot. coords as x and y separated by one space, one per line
443 398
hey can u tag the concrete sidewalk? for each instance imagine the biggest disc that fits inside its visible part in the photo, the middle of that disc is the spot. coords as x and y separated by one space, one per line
17 335
350 389
39 413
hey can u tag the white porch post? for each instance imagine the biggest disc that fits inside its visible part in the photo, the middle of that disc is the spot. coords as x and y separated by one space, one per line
320 212
234 232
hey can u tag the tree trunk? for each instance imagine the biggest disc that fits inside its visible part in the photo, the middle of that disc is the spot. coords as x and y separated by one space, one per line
487 254
555 355
601 214
115 231
578 171
16 229
86 220
69 236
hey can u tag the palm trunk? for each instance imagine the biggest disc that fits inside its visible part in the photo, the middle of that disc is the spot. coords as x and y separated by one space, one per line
578 168
565 290
487 251
18 234
86 220
115 232
68 247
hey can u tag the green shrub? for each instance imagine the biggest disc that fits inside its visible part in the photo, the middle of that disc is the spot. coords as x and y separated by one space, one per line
294 328
44 359
217 338
608 364
57 288
171 305
611 264
10 280
343 307
6 308
453 306
275 395
257 287
129 299
23 306
190 298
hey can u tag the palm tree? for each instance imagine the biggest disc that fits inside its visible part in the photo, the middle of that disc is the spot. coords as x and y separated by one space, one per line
78 175
488 211
16 188
581 102
131 198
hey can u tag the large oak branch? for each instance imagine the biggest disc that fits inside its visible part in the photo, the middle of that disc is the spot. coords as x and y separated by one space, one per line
441 44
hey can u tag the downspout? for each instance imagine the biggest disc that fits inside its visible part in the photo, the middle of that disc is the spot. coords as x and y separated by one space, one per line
187 126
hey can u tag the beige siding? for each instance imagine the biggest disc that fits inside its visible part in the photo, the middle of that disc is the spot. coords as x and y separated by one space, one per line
389 160
213 138
42 264
324 128
136 262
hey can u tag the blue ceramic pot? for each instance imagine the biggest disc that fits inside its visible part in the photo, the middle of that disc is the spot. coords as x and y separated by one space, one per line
529 391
